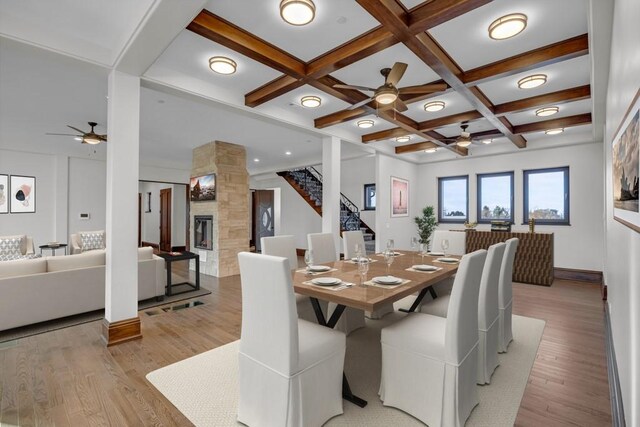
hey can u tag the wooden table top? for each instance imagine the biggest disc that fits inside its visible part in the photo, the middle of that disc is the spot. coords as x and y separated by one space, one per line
371 298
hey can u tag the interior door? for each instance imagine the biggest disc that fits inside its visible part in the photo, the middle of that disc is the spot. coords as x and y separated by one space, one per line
165 219
263 215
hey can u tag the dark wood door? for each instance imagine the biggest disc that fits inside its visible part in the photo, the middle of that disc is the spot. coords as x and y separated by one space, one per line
263 215
165 219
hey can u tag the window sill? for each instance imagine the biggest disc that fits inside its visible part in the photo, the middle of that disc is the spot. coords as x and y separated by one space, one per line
550 223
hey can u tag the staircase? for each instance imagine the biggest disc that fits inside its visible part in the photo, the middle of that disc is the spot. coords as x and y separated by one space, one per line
308 183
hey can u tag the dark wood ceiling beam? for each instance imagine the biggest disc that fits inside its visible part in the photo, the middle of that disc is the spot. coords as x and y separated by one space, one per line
436 12
271 90
227 34
562 122
559 97
547 55
412 148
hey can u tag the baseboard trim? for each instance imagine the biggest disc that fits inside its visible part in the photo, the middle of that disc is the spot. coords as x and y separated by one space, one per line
615 393
589 276
121 331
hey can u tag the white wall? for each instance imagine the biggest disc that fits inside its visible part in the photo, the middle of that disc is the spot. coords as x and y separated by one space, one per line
622 274
576 246
400 229
87 194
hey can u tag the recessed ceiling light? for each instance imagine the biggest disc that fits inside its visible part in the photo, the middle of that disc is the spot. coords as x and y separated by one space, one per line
364 124
222 65
487 141
507 26
532 81
297 12
547 111
554 131
431 150
256 160
78 138
288 153
311 101
403 138
434 106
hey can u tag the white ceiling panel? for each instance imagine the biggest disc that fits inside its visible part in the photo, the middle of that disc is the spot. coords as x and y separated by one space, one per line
454 104
95 30
367 71
561 75
336 22
568 109
410 4
351 126
467 40
291 100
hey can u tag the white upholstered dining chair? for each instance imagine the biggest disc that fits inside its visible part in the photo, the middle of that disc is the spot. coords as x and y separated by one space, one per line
349 241
429 363
457 242
505 295
324 251
290 370
488 324
285 246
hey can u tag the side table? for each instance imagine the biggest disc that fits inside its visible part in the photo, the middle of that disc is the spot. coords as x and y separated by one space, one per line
53 248
171 257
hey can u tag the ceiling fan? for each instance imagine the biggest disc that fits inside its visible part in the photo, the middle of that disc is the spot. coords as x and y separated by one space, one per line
464 140
388 92
87 137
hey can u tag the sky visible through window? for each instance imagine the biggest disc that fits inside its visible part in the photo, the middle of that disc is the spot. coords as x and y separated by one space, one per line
454 198
546 195
495 200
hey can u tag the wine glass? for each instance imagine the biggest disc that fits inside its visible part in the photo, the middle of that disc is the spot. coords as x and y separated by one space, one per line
445 245
388 258
363 267
390 245
357 251
414 247
308 259
424 250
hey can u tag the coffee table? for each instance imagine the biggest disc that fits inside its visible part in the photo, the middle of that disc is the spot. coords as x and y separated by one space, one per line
171 257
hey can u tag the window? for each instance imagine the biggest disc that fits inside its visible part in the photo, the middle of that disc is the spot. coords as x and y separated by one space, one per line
546 195
369 197
453 199
495 197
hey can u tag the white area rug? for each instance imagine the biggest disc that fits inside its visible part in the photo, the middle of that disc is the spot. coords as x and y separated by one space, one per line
204 387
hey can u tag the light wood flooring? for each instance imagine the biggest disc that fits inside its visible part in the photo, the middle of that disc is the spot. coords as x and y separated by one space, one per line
69 378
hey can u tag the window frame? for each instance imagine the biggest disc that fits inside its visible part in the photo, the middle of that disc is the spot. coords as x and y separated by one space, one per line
567 195
479 178
367 206
443 179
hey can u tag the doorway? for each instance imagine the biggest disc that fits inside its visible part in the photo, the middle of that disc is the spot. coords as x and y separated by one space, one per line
263 218
164 216
165 219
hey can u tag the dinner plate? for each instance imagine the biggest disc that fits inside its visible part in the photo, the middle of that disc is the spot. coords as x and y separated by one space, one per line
436 254
355 259
424 267
449 260
387 280
326 281
319 268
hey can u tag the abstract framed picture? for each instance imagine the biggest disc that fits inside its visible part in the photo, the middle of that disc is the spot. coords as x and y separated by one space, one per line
399 197
625 157
203 188
4 194
23 194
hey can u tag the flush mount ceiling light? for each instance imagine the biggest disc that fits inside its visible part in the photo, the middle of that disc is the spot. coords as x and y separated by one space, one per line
288 153
222 65
554 131
547 111
256 160
310 101
403 138
487 141
532 81
507 26
364 124
434 106
431 150
386 95
297 12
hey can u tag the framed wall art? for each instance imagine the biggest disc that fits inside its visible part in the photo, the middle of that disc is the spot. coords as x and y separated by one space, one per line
23 194
625 157
399 197
4 194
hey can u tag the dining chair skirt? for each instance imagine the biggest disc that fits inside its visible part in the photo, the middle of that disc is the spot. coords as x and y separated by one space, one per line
505 331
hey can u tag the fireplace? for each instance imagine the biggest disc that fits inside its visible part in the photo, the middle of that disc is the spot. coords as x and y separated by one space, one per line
203 232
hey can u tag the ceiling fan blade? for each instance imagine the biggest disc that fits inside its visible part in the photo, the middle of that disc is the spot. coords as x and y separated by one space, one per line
396 73
435 87
400 106
354 87
77 130
63 134
360 104
103 137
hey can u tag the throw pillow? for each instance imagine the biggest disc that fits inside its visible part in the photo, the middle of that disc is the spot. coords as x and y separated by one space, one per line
11 246
91 241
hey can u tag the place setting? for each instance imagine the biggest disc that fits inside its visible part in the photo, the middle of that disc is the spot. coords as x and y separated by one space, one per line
314 269
424 268
331 283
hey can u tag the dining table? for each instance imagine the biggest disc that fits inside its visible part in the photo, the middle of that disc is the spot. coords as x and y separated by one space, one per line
372 297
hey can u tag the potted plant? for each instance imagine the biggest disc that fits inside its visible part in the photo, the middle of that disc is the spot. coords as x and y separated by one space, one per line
426 224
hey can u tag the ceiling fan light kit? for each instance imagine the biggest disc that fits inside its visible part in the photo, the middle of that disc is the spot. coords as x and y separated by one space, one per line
532 81
547 111
406 138
222 65
365 124
386 95
554 131
507 26
310 101
463 142
434 106
297 12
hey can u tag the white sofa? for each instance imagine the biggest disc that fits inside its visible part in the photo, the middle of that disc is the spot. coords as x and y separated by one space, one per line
75 242
27 249
36 290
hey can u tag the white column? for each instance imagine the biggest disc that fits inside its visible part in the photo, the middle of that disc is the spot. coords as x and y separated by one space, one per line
122 197
331 187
